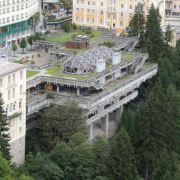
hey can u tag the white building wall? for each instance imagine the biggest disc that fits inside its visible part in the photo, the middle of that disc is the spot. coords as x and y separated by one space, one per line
15 103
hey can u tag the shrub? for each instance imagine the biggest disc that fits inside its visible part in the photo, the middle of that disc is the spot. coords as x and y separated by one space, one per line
88 31
32 62
107 44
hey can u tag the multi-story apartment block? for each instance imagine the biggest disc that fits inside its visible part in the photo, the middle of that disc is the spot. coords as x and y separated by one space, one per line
13 93
111 14
18 18
172 12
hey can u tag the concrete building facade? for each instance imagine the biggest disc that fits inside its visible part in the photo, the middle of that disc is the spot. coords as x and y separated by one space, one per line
13 93
18 18
110 14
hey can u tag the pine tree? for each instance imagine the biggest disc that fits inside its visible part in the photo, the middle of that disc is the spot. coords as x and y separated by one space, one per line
168 34
154 34
172 119
122 161
23 44
4 137
151 132
137 24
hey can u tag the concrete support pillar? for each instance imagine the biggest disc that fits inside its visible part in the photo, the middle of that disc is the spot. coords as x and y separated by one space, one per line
57 87
90 137
117 74
105 124
119 113
28 91
103 80
78 91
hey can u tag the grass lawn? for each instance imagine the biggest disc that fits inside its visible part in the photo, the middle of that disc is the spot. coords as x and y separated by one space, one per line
62 38
68 36
126 56
55 35
96 34
30 73
78 50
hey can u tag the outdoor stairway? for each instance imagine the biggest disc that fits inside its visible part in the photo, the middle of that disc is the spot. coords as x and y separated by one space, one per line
110 33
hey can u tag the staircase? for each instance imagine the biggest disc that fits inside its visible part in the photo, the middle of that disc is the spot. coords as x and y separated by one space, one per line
139 63
110 33
98 86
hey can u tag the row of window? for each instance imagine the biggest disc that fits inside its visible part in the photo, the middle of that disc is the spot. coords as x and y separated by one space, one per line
11 79
101 3
173 13
11 121
13 106
8 2
13 92
11 134
4 20
100 21
175 6
110 9
13 9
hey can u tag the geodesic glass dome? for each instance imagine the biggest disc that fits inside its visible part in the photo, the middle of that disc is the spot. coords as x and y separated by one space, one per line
83 62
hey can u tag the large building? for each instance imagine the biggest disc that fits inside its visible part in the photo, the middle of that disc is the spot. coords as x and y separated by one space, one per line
101 80
172 14
13 93
18 18
110 14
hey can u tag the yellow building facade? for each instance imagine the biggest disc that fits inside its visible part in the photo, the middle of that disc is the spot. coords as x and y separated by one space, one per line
110 14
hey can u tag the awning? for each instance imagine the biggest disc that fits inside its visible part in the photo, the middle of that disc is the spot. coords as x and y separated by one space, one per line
14 39
28 35
23 36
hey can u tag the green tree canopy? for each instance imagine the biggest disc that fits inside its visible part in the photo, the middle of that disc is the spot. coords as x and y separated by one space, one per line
23 44
30 40
4 137
14 47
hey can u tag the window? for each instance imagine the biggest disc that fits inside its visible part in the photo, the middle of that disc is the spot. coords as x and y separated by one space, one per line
174 6
130 7
168 13
20 118
18 8
20 130
101 21
92 20
101 12
88 2
92 11
121 14
88 11
179 6
9 79
7 19
19 141
13 94
14 106
93 3
21 75
8 10
20 89
168 6
20 103
88 20
13 78
20 153
147 8
11 107
4 11
1 82
9 94
101 4
130 15
82 2
77 9
82 10
81 19
121 23
121 6
108 16
77 1
114 16
77 18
